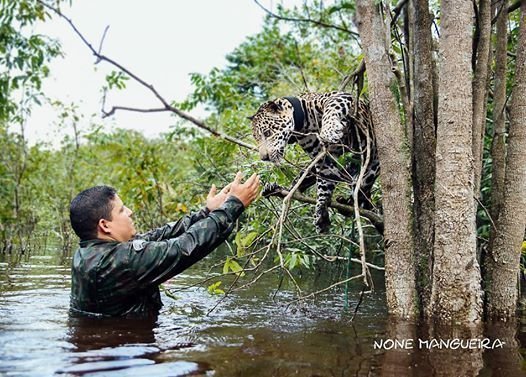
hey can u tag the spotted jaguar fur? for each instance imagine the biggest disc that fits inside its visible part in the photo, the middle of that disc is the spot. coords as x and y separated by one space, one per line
333 121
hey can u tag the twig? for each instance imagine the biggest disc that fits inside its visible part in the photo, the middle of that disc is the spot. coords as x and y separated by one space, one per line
257 278
150 87
324 289
307 20
343 209
102 40
359 71
132 109
357 218
287 199
358 304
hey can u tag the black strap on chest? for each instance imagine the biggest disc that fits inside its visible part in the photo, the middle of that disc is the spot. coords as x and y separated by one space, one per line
299 115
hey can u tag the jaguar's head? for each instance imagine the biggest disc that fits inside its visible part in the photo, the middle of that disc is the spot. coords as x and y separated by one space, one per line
272 127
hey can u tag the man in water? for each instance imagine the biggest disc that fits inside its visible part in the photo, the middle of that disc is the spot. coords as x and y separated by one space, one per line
116 272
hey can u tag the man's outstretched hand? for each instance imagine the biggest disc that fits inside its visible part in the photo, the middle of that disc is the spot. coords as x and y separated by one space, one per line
213 200
246 192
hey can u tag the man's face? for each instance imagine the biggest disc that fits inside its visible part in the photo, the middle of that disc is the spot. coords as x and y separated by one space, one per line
120 227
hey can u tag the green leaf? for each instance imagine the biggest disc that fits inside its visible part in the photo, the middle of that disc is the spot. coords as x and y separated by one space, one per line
232 265
214 289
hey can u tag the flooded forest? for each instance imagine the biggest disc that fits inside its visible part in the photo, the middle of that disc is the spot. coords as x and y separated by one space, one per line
412 265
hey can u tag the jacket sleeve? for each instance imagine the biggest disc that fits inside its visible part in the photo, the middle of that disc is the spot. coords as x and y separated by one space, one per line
153 262
175 228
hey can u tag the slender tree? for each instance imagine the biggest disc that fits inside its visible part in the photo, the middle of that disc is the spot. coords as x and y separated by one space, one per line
498 146
511 221
480 87
424 141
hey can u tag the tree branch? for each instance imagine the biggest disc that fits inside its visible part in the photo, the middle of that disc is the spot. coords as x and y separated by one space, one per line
112 111
307 20
398 9
345 210
167 106
355 76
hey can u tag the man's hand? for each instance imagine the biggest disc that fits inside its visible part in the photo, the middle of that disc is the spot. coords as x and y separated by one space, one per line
214 201
246 192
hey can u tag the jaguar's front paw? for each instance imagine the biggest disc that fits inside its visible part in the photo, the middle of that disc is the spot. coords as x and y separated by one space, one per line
270 189
322 222
331 137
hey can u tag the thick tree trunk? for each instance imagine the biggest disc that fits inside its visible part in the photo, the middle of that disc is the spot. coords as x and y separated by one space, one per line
456 292
424 143
505 256
395 162
480 89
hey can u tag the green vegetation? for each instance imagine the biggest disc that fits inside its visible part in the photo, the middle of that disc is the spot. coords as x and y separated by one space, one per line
161 179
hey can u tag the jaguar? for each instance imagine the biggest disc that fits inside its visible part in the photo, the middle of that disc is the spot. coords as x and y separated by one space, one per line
332 122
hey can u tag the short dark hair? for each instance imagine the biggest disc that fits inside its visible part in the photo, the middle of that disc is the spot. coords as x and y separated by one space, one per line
88 207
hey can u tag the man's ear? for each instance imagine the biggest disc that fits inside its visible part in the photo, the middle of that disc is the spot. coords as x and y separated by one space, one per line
103 226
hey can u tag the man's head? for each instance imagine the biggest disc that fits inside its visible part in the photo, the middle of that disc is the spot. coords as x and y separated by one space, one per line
98 212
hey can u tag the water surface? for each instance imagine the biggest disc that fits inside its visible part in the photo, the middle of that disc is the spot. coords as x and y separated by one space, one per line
250 333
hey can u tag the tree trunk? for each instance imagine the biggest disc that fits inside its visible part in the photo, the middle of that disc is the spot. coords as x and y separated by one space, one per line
498 146
456 292
480 89
395 162
505 256
424 143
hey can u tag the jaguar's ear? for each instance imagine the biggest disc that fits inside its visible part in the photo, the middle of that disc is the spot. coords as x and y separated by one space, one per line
250 117
275 106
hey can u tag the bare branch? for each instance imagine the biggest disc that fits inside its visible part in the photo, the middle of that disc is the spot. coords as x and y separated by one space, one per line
150 87
398 9
343 209
354 76
287 199
326 289
306 20
112 111
102 40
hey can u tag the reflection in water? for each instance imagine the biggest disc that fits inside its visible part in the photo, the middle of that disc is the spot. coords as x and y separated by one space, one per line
250 334
87 333
504 361
125 346
421 350
398 361
452 361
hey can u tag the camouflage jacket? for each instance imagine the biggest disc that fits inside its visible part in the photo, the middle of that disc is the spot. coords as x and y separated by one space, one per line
123 278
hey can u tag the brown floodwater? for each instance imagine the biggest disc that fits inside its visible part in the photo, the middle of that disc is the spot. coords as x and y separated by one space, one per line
254 332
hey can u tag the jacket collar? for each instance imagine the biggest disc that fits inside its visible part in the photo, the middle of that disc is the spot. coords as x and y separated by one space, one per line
95 241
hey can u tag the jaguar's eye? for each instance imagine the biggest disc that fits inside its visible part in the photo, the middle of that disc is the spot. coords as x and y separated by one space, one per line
266 133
